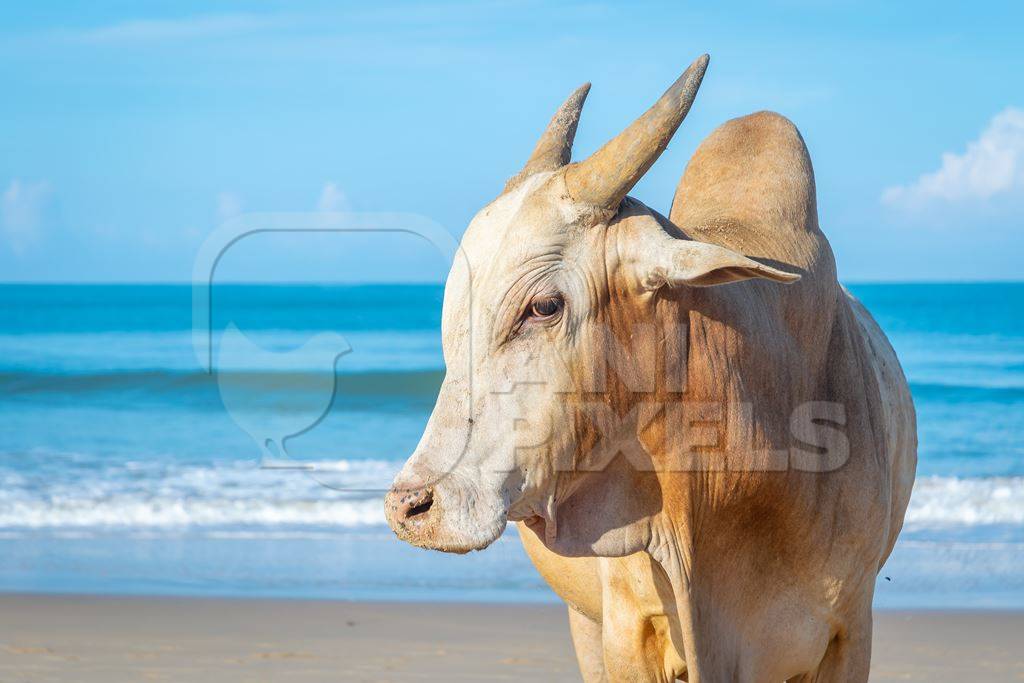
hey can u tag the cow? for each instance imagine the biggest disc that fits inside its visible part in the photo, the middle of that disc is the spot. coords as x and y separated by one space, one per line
707 444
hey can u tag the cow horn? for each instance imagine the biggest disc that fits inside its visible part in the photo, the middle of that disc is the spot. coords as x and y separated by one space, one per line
554 149
610 173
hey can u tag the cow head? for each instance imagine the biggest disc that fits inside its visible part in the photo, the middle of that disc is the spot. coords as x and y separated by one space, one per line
545 271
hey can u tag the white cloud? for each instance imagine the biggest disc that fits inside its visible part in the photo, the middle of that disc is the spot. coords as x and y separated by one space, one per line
229 205
992 165
22 209
332 198
187 28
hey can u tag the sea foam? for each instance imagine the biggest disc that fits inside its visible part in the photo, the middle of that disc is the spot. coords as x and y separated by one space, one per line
345 494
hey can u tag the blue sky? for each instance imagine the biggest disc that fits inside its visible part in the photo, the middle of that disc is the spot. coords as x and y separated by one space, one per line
129 131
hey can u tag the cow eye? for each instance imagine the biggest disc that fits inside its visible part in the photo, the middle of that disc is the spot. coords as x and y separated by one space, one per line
546 307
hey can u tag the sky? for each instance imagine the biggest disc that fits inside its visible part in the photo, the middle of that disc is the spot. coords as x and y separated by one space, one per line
130 132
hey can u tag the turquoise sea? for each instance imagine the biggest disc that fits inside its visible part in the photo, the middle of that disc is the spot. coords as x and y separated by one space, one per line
126 468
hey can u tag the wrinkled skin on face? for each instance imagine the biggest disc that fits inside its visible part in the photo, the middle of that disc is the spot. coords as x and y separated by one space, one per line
534 312
515 309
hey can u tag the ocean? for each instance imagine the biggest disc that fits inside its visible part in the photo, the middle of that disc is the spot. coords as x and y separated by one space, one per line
126 468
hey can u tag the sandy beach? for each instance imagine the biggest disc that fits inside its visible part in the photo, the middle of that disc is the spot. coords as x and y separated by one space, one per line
87 638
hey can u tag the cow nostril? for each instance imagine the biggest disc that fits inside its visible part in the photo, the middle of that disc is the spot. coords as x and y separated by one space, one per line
408 505
422 507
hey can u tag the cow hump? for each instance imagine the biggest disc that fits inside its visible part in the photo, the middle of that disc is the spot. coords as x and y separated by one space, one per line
750 187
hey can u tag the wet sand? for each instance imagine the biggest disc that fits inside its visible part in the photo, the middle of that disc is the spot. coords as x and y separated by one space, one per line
79 638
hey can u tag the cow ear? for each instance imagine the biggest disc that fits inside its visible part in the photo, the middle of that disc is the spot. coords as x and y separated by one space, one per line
677 262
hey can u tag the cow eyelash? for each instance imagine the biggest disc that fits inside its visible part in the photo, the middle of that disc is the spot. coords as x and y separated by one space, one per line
544 308
541 310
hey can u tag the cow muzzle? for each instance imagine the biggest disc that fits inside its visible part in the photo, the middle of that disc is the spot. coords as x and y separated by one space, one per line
443 516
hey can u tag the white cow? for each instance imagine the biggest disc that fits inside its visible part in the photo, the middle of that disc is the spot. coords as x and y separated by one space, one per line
710 466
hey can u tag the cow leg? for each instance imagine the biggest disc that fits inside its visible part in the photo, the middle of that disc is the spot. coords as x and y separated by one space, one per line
717 643
634 653
637 645
848 656
586 639
846 659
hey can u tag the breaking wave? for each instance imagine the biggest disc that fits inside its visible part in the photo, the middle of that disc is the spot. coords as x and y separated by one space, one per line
345 494
956 501
153 495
